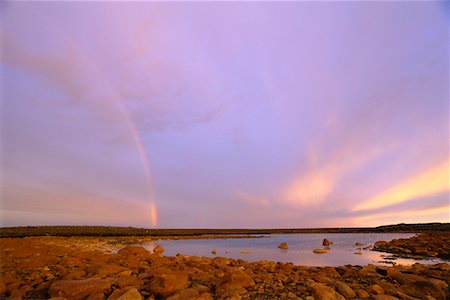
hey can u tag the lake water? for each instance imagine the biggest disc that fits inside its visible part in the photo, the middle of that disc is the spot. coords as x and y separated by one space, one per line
299 252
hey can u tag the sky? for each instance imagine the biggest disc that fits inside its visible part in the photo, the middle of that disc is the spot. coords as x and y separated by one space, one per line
224 114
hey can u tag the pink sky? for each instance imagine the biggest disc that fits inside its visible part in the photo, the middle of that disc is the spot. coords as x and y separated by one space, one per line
224 114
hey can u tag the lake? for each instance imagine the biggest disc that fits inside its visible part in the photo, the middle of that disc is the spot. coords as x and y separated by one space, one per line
299 252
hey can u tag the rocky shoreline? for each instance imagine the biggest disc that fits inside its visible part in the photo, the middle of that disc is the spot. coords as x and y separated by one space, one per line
102 268
425 244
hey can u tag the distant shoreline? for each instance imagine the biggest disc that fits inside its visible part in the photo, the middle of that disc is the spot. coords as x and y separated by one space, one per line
25 231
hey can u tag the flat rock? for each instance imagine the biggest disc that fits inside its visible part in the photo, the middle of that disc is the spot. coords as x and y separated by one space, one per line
79 289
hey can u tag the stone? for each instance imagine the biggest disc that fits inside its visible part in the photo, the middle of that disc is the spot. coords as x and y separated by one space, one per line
214 251
110 269
404 278
376 289
384 297
166 283
185 294
421 289
283 246
323 292
326 242
346 291
320 251
79 289
96 296
363 294
131 294
234 280
158 250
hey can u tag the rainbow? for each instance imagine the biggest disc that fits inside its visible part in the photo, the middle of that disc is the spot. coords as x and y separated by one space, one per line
125 113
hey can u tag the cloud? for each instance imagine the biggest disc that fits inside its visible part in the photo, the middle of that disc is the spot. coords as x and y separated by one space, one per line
429 182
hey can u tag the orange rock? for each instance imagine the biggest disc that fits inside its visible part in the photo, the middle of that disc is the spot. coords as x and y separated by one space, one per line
131 294
129 281
283 246
323 292
234 280
422 289
110 269
158 250
326 242
166 282
346 291
79 289
185 294
376 289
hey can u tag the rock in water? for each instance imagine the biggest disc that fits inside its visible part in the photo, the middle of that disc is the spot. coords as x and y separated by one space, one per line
326 242
214 251
283 246
158 250
320 251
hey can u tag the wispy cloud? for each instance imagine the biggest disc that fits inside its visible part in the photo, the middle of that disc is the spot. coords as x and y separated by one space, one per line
427 183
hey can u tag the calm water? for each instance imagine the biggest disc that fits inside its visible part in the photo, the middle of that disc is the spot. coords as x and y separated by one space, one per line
299 252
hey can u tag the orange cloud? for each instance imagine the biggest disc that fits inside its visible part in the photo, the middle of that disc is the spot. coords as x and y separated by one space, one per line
428 183
437 214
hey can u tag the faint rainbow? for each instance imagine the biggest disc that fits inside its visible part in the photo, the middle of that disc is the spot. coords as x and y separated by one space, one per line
125 112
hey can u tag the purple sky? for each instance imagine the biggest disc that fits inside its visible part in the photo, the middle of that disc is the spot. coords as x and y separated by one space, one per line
230 114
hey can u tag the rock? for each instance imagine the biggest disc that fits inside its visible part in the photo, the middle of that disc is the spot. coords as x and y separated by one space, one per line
131 294
359 244
166 283
346 291
234 280
110 269
214 251
384 297
283 246
363 294
96 296
323 292
421 289
158 250
79 289
320 251
404 278
326 242
376 289
185 294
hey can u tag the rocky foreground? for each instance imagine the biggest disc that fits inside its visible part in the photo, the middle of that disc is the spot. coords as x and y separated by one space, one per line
425 244
90 268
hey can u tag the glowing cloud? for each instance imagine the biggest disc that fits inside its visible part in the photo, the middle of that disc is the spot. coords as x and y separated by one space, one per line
438 214
429 183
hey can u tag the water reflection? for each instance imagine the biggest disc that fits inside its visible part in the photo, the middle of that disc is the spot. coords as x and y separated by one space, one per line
300 249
